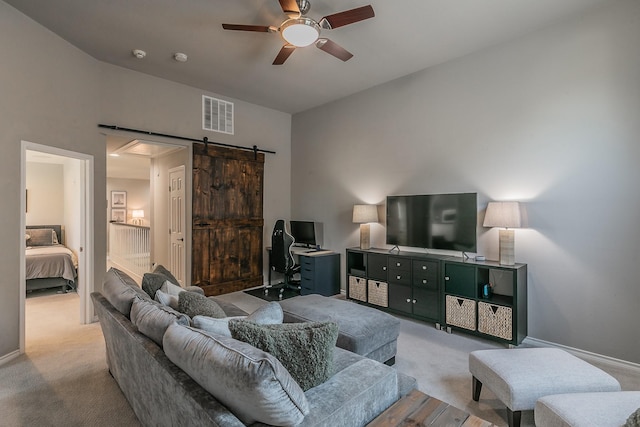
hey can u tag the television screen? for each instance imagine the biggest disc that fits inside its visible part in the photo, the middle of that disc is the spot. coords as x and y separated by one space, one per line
433 221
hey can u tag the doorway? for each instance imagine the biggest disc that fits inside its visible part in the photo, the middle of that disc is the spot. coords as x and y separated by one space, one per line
153 175
77 195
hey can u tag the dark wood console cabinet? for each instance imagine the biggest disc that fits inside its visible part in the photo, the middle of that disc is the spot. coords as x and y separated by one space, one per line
443 289
405 283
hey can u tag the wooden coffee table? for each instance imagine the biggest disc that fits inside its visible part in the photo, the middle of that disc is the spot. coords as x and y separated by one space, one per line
418 409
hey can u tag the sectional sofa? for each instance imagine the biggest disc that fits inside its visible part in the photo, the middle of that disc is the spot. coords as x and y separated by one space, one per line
230 383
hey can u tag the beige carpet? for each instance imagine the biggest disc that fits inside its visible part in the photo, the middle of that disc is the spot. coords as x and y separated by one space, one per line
63 380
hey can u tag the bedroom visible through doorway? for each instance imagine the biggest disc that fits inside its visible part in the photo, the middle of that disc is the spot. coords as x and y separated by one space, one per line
57 212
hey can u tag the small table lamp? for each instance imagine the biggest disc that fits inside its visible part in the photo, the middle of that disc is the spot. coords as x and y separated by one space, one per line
137 215
507 215
363 215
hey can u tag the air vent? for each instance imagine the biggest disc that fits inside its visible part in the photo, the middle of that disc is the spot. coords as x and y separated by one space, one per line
217 115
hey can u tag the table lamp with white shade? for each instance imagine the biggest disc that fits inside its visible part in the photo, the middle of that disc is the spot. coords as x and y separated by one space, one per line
137 216
506 215
363 215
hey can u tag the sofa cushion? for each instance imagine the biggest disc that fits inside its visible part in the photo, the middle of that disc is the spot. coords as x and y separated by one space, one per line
153 319
250 382
120 289
193 304
305 349
267 314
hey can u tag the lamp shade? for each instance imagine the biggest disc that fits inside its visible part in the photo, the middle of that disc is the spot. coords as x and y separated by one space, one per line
503 214
365 213
137 213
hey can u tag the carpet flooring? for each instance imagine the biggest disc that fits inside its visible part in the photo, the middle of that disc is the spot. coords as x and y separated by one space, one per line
62 380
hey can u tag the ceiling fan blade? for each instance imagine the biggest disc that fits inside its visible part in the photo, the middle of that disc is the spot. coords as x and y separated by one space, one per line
239 27
290 8
334 49
284 53
347 17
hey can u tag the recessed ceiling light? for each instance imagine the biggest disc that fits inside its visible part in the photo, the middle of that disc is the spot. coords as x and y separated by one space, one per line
114 155
180 57
139 53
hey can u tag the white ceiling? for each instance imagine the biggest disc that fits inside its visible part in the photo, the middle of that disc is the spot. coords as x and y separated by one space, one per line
404 37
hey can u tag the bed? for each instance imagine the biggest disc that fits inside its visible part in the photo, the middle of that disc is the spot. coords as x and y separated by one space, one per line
48 262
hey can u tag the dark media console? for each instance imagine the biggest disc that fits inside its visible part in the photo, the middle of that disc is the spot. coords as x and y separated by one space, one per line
483 298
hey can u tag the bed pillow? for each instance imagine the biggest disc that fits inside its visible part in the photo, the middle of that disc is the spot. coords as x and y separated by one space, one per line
153 319
304 349
41 237
250 382
193 304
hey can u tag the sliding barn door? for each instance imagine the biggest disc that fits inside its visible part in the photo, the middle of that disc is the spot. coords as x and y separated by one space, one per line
227 219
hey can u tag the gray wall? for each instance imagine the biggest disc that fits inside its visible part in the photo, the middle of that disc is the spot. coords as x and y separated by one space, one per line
45 193
53 94
551 119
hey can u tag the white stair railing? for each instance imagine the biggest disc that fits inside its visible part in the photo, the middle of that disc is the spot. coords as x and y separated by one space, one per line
129 248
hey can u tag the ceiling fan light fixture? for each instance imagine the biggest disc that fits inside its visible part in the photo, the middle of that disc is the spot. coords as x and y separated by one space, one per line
300 32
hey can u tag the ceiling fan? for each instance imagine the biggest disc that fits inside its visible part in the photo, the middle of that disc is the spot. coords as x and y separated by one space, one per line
300 30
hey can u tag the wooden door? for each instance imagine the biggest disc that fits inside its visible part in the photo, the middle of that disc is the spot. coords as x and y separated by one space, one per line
227 219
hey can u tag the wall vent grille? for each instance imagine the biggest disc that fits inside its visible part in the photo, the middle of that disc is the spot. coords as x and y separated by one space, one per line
217 115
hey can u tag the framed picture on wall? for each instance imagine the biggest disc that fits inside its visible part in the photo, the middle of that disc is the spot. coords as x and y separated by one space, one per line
118 199
118 215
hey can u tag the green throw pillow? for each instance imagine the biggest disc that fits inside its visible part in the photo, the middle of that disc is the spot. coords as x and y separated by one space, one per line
193 304
304 349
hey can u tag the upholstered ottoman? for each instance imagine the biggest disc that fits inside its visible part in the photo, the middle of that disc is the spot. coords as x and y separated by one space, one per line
363 330
519 377
586 409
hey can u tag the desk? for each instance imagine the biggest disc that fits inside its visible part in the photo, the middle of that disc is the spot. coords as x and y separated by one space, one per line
319 271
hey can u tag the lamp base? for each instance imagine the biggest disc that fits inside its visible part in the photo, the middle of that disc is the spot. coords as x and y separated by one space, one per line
507 247
365 236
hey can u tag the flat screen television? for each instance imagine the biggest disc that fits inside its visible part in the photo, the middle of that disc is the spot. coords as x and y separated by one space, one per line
433 221
306 233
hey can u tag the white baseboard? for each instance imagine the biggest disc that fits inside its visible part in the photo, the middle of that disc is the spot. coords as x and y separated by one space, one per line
8 357
583 354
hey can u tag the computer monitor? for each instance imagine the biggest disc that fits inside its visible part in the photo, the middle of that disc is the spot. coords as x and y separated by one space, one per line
306 233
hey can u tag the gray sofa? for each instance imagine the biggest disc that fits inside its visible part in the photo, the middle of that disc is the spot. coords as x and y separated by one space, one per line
162 394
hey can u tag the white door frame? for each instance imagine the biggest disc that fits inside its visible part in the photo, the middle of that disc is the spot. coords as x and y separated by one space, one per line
85 259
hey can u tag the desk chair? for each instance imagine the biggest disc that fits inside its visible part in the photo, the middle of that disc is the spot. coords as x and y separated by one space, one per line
282 259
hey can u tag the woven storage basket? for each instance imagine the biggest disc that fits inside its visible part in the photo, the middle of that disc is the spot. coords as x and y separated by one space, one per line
461 312
378 293
358 288
495 320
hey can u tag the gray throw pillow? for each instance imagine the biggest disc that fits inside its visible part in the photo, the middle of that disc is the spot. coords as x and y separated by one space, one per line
251 383
151 282
305 349
193 304
267 314
153 319
634 419
163 271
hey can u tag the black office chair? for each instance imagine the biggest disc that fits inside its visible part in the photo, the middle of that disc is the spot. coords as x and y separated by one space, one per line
282 260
